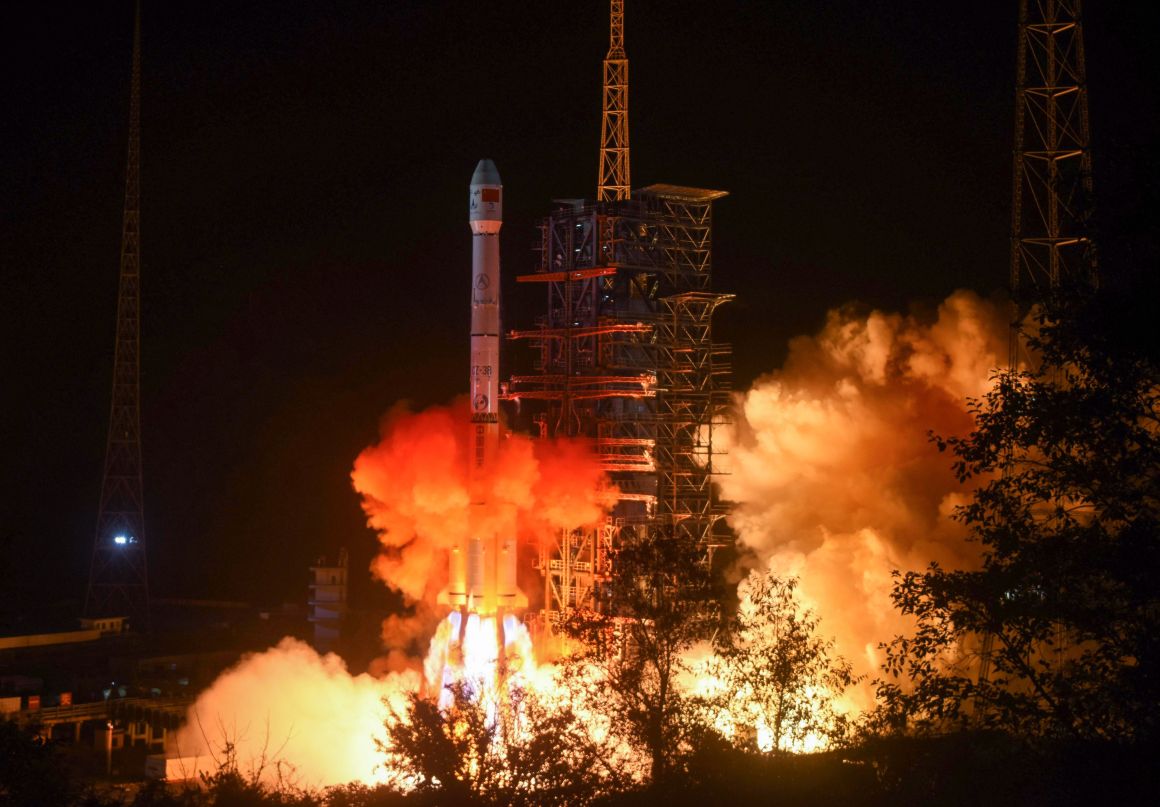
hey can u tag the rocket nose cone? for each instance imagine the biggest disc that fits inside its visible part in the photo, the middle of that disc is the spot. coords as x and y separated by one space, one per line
486 174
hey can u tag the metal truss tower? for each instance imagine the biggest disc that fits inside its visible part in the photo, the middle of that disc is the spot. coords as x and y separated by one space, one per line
1051 194
614 182
118 576
626 357
1051 240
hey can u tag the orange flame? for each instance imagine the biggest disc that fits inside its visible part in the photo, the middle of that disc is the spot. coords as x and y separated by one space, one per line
413 484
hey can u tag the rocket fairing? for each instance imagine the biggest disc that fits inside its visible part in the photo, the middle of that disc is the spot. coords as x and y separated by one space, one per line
482 569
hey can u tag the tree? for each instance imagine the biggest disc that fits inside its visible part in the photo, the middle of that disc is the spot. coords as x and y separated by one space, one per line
775 674
1064 614
32 770
660 606
525 751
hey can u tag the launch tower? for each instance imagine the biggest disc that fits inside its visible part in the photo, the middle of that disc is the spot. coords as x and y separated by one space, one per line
626 355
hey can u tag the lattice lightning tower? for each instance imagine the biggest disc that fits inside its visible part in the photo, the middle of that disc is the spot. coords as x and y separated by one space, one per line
1052 189
614 182
118 577
1051 197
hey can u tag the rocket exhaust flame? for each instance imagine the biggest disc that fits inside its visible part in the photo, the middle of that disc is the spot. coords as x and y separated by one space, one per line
415 493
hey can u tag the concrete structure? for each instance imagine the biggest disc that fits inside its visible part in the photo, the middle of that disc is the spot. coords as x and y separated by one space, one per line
172 768
49 639
91 630
132 721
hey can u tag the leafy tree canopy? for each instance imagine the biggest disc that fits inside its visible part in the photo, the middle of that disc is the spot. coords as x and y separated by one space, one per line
660 605
777 680
1063 617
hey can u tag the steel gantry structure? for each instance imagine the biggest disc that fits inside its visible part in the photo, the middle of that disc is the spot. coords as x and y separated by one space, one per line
625 355
1052 243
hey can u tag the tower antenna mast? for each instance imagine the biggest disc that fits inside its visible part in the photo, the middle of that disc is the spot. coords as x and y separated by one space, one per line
1051 242
118 576
1051 191
614 182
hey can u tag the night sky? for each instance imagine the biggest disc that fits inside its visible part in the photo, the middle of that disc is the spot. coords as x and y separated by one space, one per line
305 250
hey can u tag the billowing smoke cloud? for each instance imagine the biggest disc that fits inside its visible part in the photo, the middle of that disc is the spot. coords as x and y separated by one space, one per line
414 488
291 713
833 474
289 705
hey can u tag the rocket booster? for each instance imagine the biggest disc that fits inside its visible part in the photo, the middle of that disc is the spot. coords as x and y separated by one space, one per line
482 569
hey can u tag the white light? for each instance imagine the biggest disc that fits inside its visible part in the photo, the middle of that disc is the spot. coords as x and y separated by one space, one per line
120 540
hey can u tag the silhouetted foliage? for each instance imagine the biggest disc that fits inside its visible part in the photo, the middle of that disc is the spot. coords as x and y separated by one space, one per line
520 751
719 773
32 771
230 788
661 605
356 794
157 793
1066 606
997 768
777 681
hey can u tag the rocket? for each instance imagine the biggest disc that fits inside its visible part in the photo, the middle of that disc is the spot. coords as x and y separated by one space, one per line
482 567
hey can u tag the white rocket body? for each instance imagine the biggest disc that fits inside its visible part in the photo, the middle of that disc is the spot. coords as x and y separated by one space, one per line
482 569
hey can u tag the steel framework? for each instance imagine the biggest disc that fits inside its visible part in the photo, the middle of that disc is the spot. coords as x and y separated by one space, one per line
1052 189
118 574
614 180
625 356
1051 195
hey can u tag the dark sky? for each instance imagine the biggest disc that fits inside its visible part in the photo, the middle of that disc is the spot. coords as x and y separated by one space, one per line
305 247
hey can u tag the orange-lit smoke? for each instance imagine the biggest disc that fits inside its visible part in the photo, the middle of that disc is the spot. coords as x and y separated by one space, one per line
833 477
833 474
289 706
414 488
